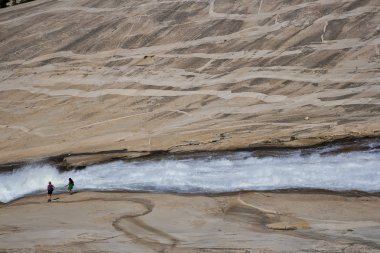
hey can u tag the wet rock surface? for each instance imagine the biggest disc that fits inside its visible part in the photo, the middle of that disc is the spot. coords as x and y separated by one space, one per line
140 222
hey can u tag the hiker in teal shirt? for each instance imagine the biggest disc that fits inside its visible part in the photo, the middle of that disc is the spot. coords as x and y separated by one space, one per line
70 185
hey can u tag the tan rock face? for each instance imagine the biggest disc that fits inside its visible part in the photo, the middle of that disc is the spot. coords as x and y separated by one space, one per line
89 76
150 223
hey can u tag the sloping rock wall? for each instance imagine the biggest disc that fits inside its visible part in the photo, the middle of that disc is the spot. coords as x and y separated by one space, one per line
94 76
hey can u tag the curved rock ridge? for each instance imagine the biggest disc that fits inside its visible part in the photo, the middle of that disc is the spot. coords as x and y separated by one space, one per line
143 76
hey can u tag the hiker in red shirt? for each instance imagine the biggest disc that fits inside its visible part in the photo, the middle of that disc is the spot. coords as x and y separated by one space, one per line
50 189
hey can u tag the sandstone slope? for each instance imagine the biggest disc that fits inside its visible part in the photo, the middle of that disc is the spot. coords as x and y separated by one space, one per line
89 76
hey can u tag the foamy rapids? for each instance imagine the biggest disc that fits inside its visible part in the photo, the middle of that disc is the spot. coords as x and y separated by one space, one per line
209 173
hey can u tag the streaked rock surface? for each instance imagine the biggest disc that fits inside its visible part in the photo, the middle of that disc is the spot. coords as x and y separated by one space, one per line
254 222
90 76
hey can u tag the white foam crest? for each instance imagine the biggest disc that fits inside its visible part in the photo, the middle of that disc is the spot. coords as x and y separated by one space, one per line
26 180
233 172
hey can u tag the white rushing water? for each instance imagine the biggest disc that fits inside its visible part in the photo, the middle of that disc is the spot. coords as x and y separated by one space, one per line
215 173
